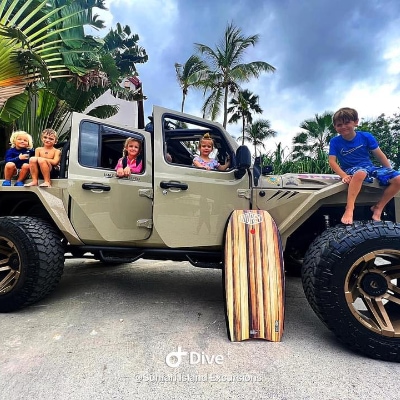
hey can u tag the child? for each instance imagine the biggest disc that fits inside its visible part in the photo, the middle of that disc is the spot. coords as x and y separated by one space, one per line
206 146
130 163
17 158
351 148
46 158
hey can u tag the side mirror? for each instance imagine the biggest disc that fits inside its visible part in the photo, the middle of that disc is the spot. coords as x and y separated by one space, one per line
243 161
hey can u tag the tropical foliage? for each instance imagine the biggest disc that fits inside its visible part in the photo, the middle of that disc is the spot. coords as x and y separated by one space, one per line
385 128
257 132
55 67
242 108
387 132
39 42
315 137
190 74
227 70
282 164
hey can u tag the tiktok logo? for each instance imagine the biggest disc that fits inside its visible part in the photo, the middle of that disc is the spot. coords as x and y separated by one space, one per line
174 358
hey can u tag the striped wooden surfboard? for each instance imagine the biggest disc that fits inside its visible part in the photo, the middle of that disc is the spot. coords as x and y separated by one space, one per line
254 277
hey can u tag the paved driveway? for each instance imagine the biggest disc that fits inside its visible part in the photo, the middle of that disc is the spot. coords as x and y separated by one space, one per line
156 330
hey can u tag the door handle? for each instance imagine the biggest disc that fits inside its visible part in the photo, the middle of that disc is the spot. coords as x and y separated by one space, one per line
173 185
96 186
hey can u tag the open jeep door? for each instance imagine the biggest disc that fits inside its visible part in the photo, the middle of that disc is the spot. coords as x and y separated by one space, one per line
192 205
103 207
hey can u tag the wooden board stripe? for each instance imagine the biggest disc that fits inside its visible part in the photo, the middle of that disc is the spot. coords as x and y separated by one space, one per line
254 277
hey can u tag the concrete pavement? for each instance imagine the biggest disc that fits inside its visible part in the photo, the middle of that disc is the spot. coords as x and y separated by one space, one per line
156 330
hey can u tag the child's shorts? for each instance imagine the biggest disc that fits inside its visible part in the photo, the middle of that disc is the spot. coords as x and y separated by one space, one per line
15 176
382 174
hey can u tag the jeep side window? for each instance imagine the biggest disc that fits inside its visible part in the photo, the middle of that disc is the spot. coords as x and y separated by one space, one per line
112 146
101 146
181 138
89 144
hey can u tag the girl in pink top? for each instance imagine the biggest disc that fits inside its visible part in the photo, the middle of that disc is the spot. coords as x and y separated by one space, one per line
131 152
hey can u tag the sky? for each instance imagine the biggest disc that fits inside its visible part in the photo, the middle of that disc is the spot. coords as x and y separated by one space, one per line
327 54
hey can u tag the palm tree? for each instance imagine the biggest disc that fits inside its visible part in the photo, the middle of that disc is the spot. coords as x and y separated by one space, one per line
227 70
191 73
42 41
69 69
257 132
39 38
242 108
315 138
117 58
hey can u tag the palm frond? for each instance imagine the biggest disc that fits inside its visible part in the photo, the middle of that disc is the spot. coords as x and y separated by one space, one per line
226 68
104 111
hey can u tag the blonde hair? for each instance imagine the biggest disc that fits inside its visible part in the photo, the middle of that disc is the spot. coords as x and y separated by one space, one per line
206 137
15 134
127 141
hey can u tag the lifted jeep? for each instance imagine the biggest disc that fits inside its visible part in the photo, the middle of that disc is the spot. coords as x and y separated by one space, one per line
174 211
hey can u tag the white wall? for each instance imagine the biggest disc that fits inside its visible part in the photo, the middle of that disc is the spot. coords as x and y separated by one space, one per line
128 110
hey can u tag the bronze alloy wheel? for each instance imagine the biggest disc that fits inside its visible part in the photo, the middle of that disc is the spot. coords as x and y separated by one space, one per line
372 292
31 261
9 265
350 277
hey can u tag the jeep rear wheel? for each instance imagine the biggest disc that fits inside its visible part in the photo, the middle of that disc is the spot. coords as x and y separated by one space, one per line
350 277
31 261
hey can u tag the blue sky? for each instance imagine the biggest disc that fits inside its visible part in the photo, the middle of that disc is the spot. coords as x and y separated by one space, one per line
327 54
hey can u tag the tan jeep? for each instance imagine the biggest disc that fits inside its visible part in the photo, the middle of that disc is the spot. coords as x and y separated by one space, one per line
174 211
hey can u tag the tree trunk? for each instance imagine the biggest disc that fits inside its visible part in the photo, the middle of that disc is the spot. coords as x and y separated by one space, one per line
225 107
183 101
243 125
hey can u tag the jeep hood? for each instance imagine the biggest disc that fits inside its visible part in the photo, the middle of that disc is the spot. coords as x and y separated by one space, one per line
300 181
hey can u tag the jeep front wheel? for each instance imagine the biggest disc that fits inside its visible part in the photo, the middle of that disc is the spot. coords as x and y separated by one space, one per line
350 278
31 261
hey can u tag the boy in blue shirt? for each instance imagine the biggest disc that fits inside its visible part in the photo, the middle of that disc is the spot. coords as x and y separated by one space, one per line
349 157
17 158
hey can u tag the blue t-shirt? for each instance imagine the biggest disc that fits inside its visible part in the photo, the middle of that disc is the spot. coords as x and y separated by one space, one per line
12 155
355 152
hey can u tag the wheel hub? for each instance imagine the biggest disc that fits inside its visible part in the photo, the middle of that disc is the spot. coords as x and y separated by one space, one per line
374 284
14 262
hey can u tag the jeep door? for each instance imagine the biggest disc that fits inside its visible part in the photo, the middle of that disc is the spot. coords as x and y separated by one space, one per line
104 208
192 205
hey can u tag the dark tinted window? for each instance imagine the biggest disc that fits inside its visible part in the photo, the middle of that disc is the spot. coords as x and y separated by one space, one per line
101 146
89 144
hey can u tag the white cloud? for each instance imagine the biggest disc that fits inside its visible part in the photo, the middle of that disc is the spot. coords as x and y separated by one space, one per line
392 55
151 19
371 101
357 67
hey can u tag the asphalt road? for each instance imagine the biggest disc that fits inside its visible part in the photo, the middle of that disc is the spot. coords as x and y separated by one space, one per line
111 333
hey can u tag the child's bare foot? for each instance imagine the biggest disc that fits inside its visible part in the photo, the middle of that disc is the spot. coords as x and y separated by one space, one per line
31 184
376 213
45 185
347 218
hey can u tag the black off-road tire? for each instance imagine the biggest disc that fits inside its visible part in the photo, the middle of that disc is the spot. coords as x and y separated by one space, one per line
311 261
31 261
350 278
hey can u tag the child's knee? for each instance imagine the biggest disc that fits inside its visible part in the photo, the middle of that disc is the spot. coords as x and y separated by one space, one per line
10 167
361 174
395 181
